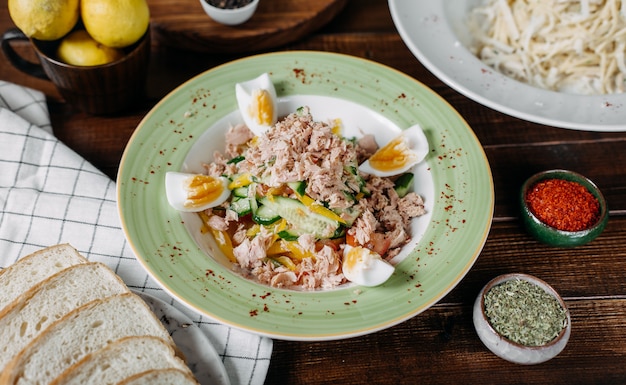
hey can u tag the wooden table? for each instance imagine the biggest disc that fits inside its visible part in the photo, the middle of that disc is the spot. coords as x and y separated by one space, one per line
439 345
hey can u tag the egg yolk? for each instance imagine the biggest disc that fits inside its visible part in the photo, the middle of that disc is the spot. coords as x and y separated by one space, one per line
337 125
202 189
261 107
394 155
353 257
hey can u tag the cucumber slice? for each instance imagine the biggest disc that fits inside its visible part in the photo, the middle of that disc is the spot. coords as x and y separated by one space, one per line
298 187
301 218
264 215
241 192
339 233
288 235
404 183
349 215
241 206
253 203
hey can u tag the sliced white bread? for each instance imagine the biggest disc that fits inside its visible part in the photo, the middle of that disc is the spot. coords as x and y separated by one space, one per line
121 359
84 330
50 300
34 268
160 377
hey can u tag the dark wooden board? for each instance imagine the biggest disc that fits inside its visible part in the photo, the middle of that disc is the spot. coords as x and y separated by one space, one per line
184 24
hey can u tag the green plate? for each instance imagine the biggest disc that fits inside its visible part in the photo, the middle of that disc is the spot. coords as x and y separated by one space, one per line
455 180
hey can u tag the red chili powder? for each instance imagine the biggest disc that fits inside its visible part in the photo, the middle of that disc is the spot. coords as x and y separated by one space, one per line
563 204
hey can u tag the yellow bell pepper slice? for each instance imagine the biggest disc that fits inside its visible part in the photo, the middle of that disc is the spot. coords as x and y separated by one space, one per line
315 207
224 243
240 181
280 226
337 127
276 248
291 248
285 261
205 220
253 230
296 250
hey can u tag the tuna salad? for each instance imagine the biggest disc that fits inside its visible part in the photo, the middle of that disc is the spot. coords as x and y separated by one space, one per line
299 202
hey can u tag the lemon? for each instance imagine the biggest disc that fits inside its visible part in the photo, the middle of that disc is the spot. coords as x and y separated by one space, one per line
44 19
115 23
79 49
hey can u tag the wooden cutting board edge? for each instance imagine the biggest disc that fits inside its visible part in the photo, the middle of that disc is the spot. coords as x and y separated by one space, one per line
201 34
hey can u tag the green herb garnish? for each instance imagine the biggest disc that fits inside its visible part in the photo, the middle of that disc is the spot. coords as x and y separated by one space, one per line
236 159
524 313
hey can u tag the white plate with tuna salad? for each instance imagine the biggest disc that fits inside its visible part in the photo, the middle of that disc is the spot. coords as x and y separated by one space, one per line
179 250
440 35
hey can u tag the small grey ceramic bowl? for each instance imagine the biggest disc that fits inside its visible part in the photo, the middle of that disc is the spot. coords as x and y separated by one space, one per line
551 235
232 16
508 349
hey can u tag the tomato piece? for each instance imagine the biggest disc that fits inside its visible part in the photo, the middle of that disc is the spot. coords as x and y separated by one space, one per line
379 243
351 240
334 243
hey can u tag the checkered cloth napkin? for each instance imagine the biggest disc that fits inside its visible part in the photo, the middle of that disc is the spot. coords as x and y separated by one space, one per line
50 195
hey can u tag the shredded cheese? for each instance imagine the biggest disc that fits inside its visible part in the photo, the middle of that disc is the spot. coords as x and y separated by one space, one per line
574 46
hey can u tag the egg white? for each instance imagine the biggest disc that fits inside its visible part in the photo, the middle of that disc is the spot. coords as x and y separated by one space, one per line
418 145
370 269
176 193
244 93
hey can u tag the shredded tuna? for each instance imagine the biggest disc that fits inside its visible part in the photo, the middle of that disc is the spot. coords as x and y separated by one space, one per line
283 279
364 227
411 206
252 250
218 223
236 138
299 149
367 146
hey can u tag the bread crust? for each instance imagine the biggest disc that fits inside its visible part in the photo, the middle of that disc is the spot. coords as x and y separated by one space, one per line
51 299
80 310
34 268
121 359
86 329
173 376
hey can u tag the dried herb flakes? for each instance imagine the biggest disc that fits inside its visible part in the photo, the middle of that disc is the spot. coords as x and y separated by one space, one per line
524 313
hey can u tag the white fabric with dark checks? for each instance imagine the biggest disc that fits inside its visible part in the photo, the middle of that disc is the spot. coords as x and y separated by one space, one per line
51 195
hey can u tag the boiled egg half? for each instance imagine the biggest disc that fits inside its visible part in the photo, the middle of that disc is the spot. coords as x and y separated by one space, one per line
256 99
365 267
195 192
399 155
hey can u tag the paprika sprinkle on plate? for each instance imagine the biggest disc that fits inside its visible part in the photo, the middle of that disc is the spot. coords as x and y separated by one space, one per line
562 204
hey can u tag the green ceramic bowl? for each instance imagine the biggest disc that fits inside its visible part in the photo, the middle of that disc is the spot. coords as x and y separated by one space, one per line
551 235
